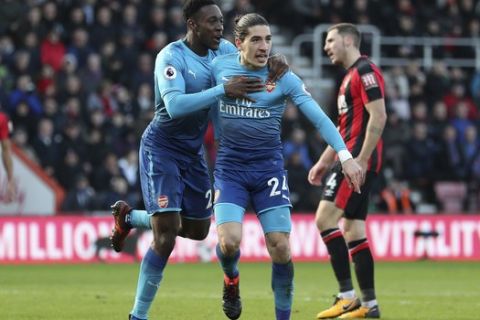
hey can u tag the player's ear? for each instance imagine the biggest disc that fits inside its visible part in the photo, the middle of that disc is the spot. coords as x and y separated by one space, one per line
191 24
348 40
238 44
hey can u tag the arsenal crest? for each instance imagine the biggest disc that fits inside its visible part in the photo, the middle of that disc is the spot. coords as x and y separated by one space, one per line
270 86
162 201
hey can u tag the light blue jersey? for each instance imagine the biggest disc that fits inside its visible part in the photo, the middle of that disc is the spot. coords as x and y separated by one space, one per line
180 71
250 131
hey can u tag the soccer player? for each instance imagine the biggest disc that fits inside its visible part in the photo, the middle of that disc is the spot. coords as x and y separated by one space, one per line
174 177
250 166
362 117
7 157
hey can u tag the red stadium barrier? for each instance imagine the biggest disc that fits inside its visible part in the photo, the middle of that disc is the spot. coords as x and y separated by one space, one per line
81 239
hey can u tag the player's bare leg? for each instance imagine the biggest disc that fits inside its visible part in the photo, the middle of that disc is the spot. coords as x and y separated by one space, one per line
194 229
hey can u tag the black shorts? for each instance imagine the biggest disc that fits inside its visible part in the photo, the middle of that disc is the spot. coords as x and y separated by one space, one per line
336 190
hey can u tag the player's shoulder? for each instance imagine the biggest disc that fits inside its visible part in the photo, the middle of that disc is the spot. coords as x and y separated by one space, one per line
225 47
364 66
289 78
172 52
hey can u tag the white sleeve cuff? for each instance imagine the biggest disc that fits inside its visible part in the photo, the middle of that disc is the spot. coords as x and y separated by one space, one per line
344 155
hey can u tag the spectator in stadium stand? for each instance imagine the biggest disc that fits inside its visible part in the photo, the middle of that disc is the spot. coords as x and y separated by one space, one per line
418 161
52 49
46 146
104 29
458 94
81 197
471 150
461 121
5 143
297 144
449 164
80 46
362 117
25 92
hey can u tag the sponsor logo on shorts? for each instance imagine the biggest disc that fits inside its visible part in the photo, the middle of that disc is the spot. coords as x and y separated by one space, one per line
162 201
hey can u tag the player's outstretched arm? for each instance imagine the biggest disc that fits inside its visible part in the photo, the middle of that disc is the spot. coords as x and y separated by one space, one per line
179 104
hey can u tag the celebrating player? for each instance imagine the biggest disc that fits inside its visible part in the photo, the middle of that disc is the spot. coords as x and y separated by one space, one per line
249 165
362 117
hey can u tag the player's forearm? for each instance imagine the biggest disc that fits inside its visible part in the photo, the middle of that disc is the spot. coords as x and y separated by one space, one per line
181 104
323 124
374 131
328 156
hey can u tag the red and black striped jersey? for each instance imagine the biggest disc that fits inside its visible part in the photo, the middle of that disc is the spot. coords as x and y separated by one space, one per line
362 84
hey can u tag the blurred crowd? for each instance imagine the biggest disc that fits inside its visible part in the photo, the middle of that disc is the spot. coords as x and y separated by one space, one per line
76 78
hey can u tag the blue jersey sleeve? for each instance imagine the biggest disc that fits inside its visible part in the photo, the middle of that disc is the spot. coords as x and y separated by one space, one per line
295 89
169 70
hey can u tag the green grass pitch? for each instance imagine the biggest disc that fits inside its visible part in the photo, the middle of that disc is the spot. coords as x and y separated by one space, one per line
417 290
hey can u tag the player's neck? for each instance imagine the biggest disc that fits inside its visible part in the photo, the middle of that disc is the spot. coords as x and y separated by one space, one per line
194 45
248 65
351 58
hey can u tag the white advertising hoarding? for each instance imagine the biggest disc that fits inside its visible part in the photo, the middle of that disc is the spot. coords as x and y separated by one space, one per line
37 193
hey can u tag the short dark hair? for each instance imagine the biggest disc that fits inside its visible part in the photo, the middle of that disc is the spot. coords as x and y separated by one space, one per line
190 7
242 23
348 28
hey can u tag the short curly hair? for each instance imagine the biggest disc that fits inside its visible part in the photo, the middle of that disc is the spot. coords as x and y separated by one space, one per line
190 7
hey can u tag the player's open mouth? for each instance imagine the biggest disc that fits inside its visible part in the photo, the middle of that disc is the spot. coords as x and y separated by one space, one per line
217 39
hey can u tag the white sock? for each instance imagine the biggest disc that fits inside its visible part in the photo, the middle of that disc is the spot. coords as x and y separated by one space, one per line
369 304
347 294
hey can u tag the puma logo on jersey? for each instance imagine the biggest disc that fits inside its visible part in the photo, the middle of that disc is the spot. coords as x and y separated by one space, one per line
192 73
